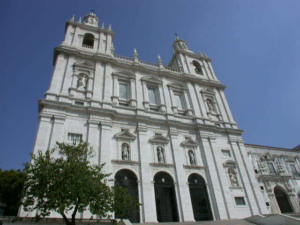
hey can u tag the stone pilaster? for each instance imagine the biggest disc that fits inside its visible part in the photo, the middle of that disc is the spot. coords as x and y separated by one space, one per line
183 198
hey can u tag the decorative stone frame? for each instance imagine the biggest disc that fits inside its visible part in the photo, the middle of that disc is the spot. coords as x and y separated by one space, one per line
157 83
126 77
127 138
208 95
82 68
156 141
182 90
190 145
232 165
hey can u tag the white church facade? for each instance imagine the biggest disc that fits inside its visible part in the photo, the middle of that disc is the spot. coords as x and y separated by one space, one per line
166 133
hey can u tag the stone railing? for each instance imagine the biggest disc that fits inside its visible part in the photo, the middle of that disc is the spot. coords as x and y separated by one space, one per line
88 46
171 69
125 58
148 63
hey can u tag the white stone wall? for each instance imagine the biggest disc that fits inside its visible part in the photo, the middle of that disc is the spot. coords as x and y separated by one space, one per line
94 110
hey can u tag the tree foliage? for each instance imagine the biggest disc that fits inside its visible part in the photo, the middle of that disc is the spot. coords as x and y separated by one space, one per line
11 186
63 180
124 202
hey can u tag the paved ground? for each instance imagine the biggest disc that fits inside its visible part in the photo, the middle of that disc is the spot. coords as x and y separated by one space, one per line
216 222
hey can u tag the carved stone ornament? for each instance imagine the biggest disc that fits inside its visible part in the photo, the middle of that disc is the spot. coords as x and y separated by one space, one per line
82 81
281 169
189 143
261 166
192 157
125 135
159 139
125 151
160 154
233 177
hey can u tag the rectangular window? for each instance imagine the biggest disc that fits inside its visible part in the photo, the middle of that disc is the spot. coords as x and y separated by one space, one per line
153 95
271 168
239 201
74 137
124 91
226 153
179 101
294 170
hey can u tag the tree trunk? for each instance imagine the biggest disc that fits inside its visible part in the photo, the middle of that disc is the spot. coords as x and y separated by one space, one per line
66 219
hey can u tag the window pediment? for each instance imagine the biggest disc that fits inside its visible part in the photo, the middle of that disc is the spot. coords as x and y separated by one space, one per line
230 163
124 74
177 86
152 79
208 91
159 139
84 64
189 143
125 135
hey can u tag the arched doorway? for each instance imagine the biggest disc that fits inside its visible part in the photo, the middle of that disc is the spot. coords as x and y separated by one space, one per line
199 198
282 200
128 180
165 198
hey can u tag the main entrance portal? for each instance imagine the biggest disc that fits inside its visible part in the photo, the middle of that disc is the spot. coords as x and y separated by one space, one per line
282 200
165 197
199 198
128 180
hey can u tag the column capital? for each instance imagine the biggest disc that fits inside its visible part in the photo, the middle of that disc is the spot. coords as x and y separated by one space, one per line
141 127
106 123
234 138
207 135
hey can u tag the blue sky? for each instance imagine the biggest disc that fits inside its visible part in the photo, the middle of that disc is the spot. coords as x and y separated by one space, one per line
254 44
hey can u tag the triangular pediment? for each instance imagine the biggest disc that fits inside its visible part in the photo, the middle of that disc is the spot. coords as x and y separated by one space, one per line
208 90
159 139
124 73
84 64
189 143
125 135
152 79
229 163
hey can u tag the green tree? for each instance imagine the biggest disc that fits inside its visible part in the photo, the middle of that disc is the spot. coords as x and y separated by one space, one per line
124 203
63 180
11 186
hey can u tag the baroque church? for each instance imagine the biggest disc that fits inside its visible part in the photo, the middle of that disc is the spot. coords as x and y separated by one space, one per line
165 133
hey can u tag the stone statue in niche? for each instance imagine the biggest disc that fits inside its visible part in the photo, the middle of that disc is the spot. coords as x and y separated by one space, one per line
280 167
125 152
82 81
192 157
233 178
210 106
160 155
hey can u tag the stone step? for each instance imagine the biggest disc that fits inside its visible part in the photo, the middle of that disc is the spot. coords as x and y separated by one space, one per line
214 222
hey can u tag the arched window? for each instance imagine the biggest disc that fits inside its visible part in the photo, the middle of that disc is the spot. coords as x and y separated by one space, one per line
198 68
192 157
88 41
125 151
160 154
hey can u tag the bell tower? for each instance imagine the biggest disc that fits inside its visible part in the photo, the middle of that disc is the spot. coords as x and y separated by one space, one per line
191 63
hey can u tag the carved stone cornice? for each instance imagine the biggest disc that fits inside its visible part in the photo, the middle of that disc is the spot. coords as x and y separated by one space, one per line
161 165
127 162
193 167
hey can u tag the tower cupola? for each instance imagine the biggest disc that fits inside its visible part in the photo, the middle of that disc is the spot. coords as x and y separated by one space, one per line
91 19
179 44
